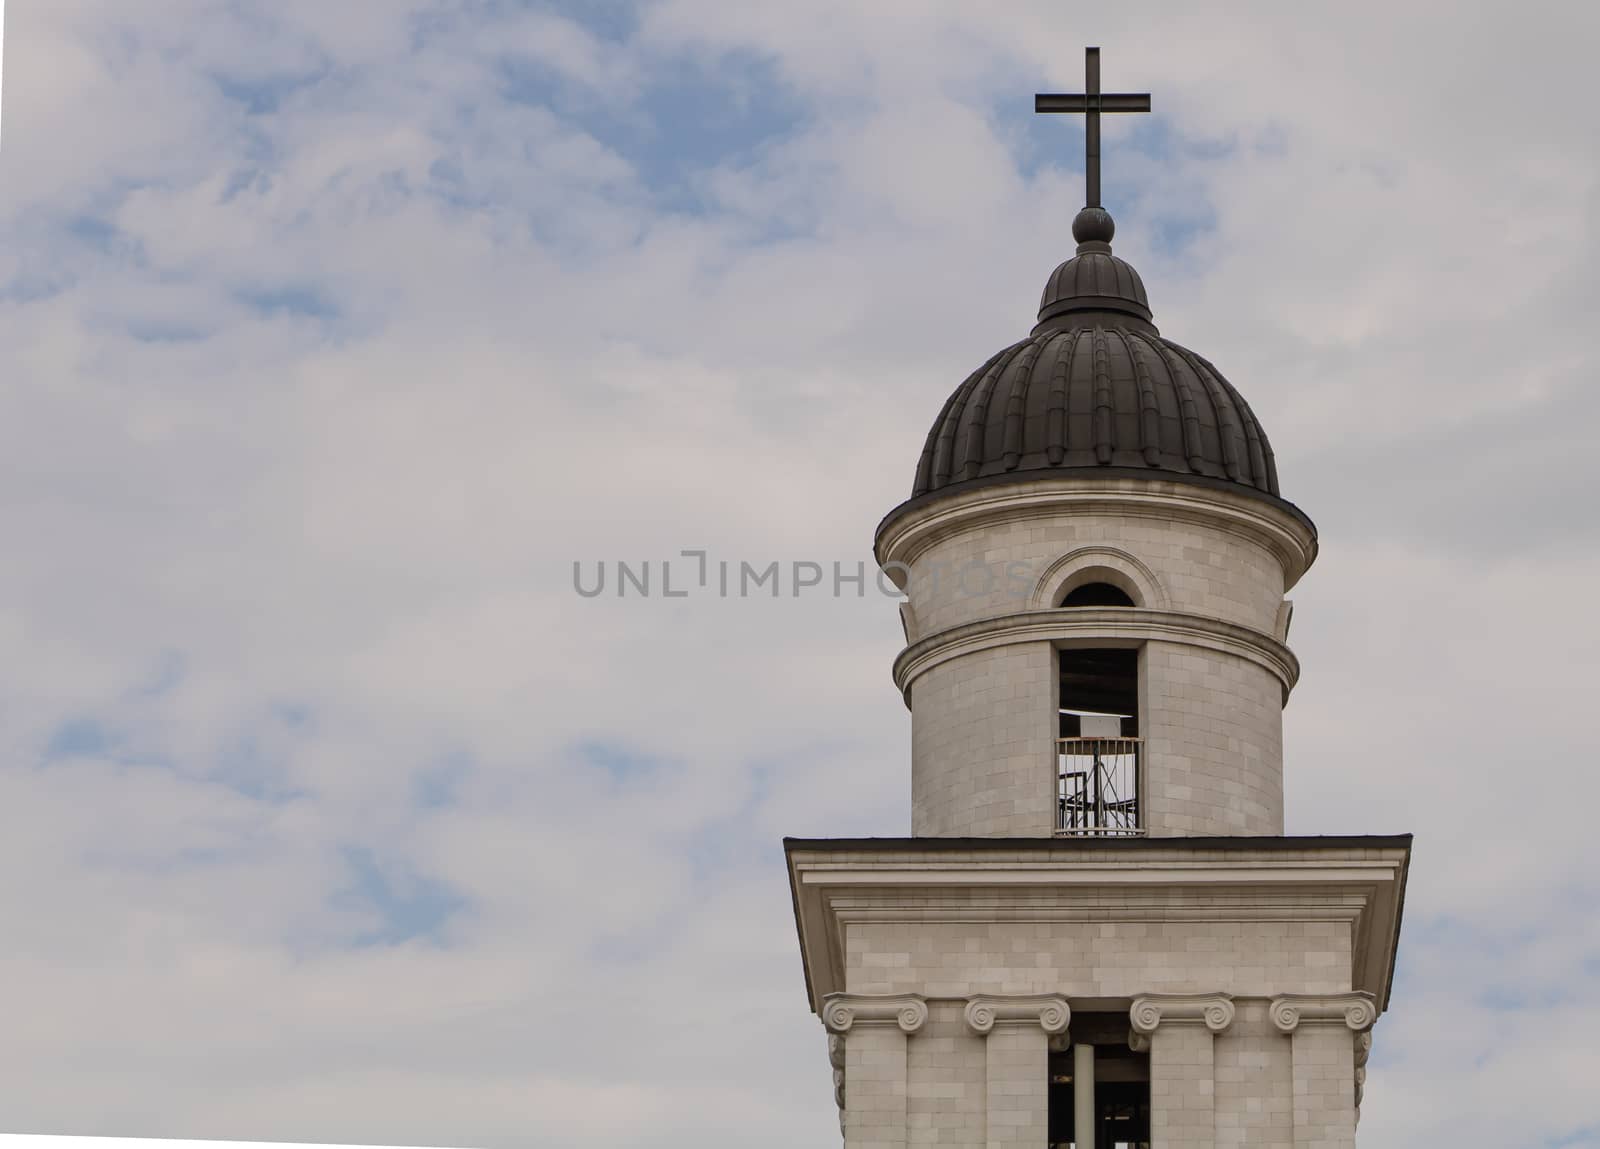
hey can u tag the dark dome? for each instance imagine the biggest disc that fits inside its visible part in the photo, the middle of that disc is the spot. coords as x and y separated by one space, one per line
1095 386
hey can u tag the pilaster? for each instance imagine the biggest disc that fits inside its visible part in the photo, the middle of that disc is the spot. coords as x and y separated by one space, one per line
1181 1029
1326 1054
1017 1032
873 1091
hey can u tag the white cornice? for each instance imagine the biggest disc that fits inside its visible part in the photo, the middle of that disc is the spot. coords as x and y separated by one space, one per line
1116 873
1359 885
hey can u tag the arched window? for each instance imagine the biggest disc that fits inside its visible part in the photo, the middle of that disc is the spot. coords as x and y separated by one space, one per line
1097 594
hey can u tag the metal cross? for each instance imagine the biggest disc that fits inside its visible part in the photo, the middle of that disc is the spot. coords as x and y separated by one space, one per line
1092 103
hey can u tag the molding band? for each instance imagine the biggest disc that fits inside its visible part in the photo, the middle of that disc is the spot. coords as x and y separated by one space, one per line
1356 1010
842 1012
1213 1010
1096 624
984 1011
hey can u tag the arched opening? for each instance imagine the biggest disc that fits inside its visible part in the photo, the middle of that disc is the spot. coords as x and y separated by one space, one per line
1097 594
1098 785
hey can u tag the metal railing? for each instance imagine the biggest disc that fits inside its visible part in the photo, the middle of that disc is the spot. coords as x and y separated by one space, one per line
1098 787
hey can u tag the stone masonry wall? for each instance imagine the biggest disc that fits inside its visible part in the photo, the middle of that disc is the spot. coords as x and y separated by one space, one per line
876 1077
1202 569
1213 729
1254 1091
1182 1088
1323 1060
947 1100
1098 959
982 744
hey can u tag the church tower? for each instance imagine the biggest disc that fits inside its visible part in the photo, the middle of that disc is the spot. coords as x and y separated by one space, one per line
1098 934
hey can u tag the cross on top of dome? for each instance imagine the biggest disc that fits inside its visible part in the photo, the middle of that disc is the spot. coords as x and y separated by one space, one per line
1093 223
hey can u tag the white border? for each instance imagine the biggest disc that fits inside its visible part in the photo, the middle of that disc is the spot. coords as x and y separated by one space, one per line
43 1141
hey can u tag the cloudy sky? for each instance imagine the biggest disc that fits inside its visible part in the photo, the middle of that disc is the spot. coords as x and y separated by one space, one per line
333 333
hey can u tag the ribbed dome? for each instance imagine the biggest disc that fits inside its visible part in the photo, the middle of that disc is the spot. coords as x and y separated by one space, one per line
1098 395
1095 386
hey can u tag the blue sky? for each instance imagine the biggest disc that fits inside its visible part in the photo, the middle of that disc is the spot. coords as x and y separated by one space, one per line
333 335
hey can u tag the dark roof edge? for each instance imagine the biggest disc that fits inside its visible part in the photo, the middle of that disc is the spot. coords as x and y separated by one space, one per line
1295 842
799 926
1399 921
1149 474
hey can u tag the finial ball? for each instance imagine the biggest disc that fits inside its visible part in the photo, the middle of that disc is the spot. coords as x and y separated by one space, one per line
1093 225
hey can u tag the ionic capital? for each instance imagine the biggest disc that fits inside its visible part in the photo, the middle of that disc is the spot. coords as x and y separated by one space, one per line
1213 1010
1357 1010
842 1012
984 1011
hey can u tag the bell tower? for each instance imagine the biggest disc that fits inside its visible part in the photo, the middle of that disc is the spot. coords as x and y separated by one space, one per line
1097 934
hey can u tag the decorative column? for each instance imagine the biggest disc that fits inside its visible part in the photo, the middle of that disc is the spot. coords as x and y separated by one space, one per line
1326 1031
873 1089
1083 1110
1017 1032
1180 1029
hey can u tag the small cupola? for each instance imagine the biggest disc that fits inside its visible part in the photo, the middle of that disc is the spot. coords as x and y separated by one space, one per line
1093 279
